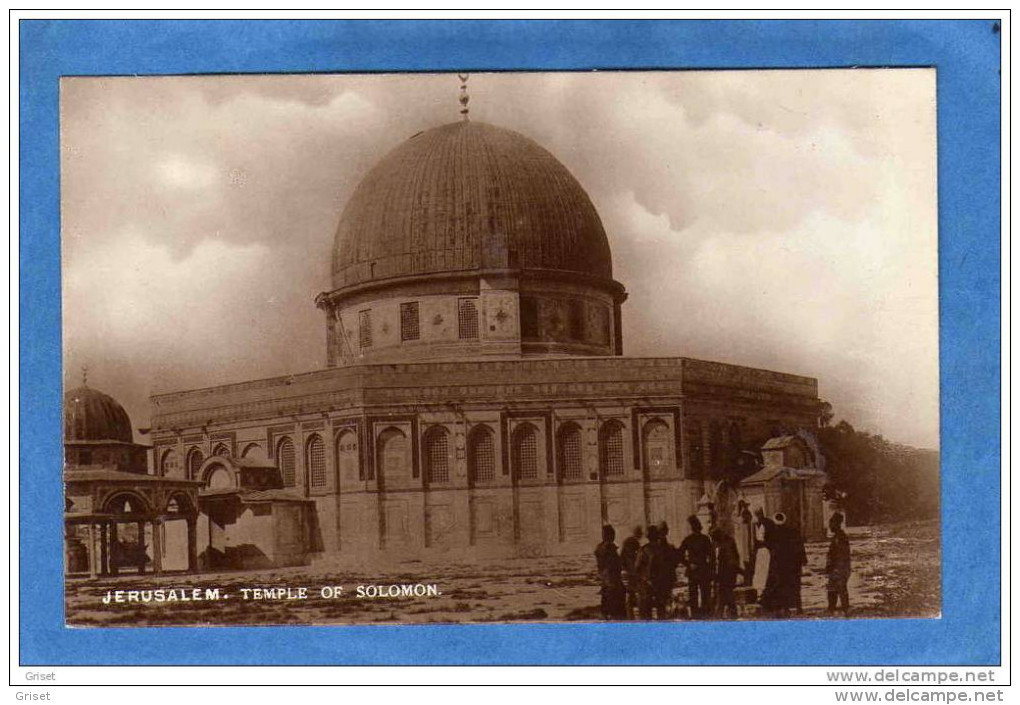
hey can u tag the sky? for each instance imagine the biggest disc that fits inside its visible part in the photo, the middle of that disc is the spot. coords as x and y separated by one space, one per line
776 219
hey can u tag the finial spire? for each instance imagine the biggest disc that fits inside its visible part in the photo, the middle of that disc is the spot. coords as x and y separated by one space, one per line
84 375
464 98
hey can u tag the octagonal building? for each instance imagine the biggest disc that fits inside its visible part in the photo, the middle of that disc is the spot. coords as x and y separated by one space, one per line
476 399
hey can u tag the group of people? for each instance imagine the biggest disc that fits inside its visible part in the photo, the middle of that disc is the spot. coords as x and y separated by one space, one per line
642 577
767 553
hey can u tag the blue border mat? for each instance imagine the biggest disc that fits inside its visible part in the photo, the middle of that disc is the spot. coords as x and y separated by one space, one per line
967 56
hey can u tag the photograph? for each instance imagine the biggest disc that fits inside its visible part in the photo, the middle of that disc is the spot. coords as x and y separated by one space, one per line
406 348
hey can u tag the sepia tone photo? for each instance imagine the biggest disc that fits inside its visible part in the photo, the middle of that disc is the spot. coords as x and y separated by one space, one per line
500 347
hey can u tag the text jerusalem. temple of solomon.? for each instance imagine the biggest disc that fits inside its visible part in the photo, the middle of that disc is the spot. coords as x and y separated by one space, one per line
477 402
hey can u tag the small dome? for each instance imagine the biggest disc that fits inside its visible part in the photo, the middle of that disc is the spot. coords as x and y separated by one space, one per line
90 415
467 197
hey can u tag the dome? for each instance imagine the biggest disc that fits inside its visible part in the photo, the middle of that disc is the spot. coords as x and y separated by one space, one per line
90 415
468 197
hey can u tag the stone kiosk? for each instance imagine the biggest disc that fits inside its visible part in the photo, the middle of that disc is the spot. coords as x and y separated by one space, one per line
116 515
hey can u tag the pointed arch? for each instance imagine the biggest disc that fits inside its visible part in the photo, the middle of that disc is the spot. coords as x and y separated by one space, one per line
348 461
392 455
195 460
569 458
286 461
315 461
253 450
481 455
169 463
126 502
611 449
524 455
437 455
657 447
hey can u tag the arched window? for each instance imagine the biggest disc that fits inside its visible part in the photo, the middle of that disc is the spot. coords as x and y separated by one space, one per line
253 450
611 449
347 456
658 448
195 461
285 461
315 461
217 476
169 465
525 452
437 455
481 456
392 455
126 503
568 450
221 450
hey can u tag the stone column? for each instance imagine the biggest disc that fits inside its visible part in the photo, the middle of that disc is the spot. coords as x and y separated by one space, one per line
141 547
192 544
157 546
104 552
114 548
92 550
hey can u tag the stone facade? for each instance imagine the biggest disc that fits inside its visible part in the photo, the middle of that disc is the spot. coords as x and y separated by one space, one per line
507 457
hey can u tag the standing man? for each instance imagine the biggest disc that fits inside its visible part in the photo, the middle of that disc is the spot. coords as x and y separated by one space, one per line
798 559
671 558
650 569
628 557
608 562
696 555
837 566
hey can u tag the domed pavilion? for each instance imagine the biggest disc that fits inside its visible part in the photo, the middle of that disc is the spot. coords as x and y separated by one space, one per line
117 516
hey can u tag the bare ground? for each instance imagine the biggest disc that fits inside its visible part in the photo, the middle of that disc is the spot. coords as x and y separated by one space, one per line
896 573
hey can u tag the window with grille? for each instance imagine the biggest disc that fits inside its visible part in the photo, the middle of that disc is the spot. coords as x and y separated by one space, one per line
481 456
365 329
347 457
529 317
437 456
526 453
286 462
571 466
316 459
169 466
467 318
194 463
222 451
658 448
409 321
393 455
611 449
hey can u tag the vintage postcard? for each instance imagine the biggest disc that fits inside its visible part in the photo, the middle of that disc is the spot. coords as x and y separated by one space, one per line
500 347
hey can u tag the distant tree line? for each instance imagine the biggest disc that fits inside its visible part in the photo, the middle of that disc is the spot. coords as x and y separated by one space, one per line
882 481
